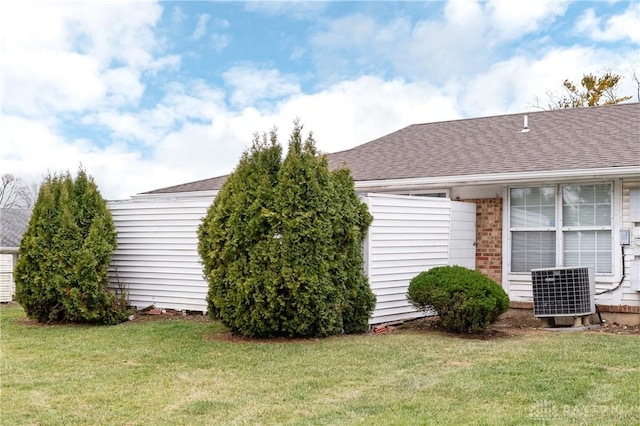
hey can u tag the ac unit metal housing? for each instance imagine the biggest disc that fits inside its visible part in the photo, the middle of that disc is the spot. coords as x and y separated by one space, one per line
563 291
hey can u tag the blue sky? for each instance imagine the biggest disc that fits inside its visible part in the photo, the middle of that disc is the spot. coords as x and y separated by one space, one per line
150 94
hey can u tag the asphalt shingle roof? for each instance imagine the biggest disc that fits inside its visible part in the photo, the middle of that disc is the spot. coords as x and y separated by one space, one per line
200 185
13 223
578 138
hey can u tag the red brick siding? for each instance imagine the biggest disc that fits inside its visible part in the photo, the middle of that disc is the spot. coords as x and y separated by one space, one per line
619 309
626 309
489 237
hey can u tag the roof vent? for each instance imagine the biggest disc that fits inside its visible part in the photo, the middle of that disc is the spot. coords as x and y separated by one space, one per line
525 126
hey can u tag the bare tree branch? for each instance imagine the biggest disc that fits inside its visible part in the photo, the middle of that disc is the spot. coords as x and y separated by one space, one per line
636 78
14 193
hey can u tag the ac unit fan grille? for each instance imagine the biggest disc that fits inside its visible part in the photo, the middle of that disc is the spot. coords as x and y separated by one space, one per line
563 292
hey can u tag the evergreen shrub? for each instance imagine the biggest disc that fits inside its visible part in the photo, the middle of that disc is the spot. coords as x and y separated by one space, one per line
61 274
465 300
281 245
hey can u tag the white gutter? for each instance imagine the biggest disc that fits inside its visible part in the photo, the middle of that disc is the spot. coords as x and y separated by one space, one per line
186 194
496 178
170 195
9 250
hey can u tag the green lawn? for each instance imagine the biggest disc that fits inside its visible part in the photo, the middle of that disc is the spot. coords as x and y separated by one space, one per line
184 371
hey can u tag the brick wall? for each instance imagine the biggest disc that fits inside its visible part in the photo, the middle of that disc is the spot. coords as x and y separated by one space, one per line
620 309
489 237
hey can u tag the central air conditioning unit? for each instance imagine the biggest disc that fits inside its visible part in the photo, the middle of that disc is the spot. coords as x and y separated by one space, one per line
563 291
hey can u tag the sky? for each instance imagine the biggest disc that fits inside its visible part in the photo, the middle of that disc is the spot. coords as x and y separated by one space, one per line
145 95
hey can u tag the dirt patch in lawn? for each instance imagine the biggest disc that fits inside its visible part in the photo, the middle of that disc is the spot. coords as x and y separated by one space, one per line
155 314
514 322
523 319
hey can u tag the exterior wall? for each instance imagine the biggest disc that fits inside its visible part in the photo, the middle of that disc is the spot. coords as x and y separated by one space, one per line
631 252
489 237
463 239
7 286
622 299
157 259
408 235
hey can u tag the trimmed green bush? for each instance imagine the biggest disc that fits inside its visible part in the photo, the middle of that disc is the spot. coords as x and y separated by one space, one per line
465 300
281 245
61 274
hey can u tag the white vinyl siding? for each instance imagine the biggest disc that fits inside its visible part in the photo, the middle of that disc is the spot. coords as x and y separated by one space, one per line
158 263
410 235
7 287
632 251
462 241
157 260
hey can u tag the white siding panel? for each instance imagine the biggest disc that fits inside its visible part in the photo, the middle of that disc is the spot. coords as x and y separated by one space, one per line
6 278
158 263
462 243
520 289
408 235
397 314
631 252
157 259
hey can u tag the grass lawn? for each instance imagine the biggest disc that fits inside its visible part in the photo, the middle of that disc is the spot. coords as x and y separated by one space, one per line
187 371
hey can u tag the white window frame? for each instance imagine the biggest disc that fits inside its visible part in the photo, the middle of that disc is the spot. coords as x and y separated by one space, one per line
616 212
439 193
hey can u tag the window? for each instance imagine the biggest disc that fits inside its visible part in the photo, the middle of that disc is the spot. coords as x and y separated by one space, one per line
436 194
586 217
566 225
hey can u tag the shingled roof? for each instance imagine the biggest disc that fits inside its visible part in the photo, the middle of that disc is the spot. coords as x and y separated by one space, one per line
13 223
578 138
210 184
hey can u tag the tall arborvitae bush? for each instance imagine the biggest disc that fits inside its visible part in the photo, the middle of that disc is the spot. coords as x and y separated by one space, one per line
235 241
281 245
350 224
61 274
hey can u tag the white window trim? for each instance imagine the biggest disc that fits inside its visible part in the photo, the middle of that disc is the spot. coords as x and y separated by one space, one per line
616 223
427 192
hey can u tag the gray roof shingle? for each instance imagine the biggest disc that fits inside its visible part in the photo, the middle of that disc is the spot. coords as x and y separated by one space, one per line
13 223
578 138
210 184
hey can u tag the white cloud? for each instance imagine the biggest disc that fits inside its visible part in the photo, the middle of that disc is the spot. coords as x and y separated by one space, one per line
181 103
516 84
194 136
124 86
35 148
221 23
625 26
219 41
292 9
369 108
76 56
90 62
464 40
201 27
511 19
249 85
